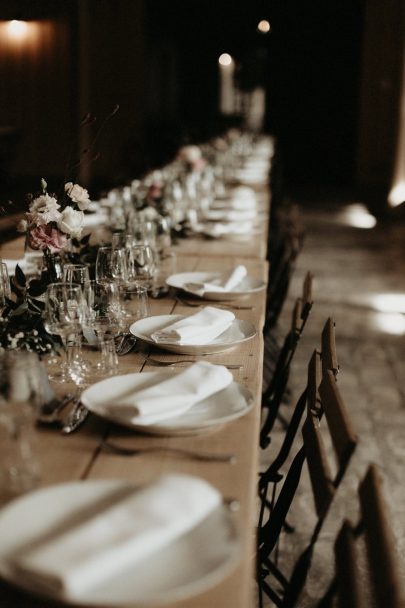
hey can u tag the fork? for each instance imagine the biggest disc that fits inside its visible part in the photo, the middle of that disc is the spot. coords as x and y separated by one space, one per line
201 456
158 363
197 305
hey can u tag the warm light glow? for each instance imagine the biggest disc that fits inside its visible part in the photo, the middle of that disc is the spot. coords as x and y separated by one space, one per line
358 216
389 302
392 323
397 195
263 26
225 59
17 29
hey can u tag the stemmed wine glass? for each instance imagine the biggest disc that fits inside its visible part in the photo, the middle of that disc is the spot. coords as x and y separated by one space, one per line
63 314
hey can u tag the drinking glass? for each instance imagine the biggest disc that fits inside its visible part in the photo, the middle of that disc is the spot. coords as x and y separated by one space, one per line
5 291
63 314
134 305
141 263
111 265
143 232
24 388
76 273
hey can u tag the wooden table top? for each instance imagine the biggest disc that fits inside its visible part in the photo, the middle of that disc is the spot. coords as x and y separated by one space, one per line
78 456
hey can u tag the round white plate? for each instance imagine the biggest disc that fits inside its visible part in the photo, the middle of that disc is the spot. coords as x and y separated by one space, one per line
248 285
239 331
192 564
232 402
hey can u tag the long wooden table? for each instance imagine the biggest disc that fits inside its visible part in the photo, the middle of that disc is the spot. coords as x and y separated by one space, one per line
79 456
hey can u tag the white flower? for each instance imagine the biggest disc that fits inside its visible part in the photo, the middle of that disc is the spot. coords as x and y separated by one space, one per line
78 195
71 222
189 154
22 226
44 209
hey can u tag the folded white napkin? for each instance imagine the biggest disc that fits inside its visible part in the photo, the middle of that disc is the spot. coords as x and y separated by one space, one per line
174 396
109 541
231 215
221 283
201 328
231 228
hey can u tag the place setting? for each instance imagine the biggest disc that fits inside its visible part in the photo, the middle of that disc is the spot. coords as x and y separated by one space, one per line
116 543
201 397
210 330
232 284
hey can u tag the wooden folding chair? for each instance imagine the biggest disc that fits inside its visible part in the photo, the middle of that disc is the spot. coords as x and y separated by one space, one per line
381 580
324 484
280 273
273 395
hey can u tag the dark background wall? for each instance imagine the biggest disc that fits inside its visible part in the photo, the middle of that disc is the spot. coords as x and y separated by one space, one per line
331 72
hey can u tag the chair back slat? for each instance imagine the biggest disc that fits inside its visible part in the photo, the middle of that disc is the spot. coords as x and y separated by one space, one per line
307 300
314 379
323 488
341 431
380 542
296 316
348 579
328 341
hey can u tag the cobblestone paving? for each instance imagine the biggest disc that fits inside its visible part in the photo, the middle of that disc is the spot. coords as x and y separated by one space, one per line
351 267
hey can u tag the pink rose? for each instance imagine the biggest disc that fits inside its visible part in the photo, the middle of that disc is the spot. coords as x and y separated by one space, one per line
45 237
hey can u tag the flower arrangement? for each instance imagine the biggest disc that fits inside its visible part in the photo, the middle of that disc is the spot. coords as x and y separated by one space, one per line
51 222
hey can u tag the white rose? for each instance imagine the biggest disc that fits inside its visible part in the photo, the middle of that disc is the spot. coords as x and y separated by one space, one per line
44 209
189 154
71 222
78 195
22 226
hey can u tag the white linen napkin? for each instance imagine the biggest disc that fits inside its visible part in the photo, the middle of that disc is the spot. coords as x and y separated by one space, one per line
171 397
231 215
107 542
201 328
222 283
229 229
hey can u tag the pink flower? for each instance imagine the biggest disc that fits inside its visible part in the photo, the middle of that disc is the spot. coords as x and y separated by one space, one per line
45 237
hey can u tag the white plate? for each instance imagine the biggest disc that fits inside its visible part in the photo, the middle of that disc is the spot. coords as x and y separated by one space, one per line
190 565
232 402
246 287
239 331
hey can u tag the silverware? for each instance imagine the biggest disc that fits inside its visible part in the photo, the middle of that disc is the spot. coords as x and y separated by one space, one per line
75 418
126 344
192 454
213 303
49 413
152 361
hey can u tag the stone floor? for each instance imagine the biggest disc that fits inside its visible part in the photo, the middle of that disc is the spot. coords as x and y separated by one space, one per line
353 267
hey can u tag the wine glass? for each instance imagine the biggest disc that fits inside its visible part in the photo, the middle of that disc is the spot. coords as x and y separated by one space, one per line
63 313
111 265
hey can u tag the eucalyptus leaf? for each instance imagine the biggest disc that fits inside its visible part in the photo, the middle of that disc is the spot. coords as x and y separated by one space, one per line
20 276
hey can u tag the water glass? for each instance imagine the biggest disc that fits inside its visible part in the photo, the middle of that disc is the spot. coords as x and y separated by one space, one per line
111 265
166 267
5 291
134 305
23 389
78 274
141 263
